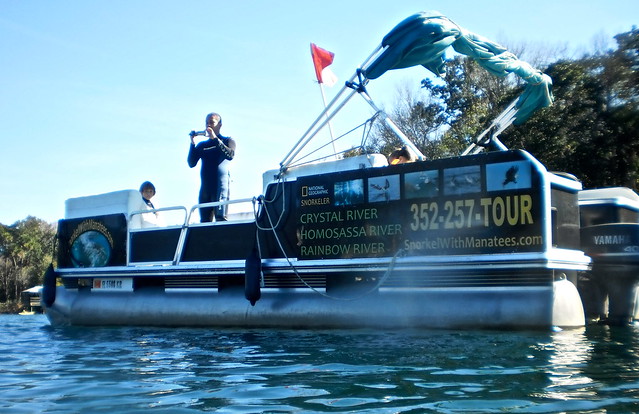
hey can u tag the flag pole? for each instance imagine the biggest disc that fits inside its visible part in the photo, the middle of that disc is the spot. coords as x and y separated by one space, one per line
328 121
312 131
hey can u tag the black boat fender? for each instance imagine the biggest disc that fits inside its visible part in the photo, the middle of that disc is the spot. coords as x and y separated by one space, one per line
253 277
48 287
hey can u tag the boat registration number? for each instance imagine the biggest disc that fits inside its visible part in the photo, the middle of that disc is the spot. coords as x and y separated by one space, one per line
114 284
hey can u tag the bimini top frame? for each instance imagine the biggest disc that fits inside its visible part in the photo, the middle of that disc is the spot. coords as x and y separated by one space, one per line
422 39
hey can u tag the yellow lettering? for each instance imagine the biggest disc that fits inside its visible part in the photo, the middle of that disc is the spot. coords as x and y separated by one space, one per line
511 209
526 206
363 214
486 202
499 213
368 248
385 230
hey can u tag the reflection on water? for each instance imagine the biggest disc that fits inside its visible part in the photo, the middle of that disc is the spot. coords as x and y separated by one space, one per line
586 364
569 352
43 369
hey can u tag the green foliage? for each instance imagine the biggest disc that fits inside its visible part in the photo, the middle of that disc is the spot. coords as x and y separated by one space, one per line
468 98
10 307
591 131
443 119
561 136
26 249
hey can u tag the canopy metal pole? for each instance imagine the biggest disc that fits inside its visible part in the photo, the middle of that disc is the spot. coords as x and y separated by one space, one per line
389 122
301 143
312 131
499 124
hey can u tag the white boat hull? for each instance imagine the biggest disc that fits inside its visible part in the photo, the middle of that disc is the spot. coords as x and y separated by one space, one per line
451 308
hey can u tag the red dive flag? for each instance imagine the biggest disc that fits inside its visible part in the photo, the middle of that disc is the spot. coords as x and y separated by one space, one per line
321 59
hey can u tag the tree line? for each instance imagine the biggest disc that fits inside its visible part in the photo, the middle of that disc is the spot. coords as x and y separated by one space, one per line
26 249
591 130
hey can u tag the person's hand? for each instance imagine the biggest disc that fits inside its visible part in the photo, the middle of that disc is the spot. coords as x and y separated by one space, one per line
210 132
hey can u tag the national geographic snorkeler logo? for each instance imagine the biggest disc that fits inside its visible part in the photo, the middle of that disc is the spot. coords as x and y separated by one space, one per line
91 245
315 195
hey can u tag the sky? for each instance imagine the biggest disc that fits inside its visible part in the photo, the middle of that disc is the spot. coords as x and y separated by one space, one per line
99 96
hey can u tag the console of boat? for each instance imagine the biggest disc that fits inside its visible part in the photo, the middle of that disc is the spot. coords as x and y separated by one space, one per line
488 239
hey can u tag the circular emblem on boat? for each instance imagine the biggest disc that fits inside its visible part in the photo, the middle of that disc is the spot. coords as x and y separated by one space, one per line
91 247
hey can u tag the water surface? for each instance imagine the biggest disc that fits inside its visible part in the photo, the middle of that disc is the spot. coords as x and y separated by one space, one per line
135 370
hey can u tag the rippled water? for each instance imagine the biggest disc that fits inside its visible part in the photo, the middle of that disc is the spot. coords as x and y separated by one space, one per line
120 370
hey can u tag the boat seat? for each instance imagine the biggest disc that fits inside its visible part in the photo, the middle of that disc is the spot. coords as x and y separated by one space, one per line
116 202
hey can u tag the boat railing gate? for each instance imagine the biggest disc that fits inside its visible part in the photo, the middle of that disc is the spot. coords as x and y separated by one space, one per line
183 227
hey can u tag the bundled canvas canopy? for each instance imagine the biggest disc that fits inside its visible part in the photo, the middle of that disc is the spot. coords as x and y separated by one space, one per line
422 39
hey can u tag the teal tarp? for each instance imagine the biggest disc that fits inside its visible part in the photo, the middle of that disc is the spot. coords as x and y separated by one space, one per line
422 39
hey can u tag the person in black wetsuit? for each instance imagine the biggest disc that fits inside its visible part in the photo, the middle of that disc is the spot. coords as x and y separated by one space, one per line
216 152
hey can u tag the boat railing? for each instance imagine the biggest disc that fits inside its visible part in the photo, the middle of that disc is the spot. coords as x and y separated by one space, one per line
179 230
156 223
252 200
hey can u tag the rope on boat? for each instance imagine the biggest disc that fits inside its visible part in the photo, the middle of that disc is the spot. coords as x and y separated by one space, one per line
387 273
257 240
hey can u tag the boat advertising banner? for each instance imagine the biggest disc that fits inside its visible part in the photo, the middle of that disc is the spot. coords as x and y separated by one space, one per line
478 205
92 241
